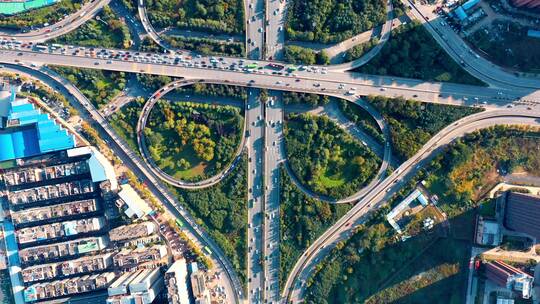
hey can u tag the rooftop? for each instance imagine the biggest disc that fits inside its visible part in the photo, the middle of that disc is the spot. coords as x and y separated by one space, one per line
28 132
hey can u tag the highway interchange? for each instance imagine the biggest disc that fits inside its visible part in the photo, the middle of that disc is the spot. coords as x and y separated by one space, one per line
503 100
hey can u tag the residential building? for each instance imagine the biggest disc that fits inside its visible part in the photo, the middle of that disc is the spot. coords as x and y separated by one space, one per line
71 286
52 252
130 232
61 229
531 4
176 282
143 286
147 257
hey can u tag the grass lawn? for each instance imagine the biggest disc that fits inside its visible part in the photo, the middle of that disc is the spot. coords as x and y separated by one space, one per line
437 274
325 158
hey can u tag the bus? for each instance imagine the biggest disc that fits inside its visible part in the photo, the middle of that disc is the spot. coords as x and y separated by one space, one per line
179 223
41 47
207 250
251 66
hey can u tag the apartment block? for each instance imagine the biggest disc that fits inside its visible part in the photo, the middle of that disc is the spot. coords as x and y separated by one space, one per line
129 232
176 283
131 258
45 253
62 229
55 211
67 268
44 173
48 192
71 286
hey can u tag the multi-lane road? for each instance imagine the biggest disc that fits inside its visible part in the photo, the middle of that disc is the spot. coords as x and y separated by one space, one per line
476 65
352 83
274 154
264 140
129 158
64 26
378 195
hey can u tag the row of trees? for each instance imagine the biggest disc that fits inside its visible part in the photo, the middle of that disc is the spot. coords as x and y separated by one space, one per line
302 220
359 50
209 89
207 46
325 158
329 21
300 55
291 98
412 52
221 16
362 119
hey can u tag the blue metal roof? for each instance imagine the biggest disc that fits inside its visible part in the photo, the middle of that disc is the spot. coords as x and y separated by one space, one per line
469 4
31 132
533 33
460 13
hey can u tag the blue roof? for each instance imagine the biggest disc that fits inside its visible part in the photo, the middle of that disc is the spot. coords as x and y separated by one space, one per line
31 132
533 33
469 4
460 13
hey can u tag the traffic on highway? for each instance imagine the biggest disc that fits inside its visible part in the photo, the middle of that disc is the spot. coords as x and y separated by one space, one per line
507 99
